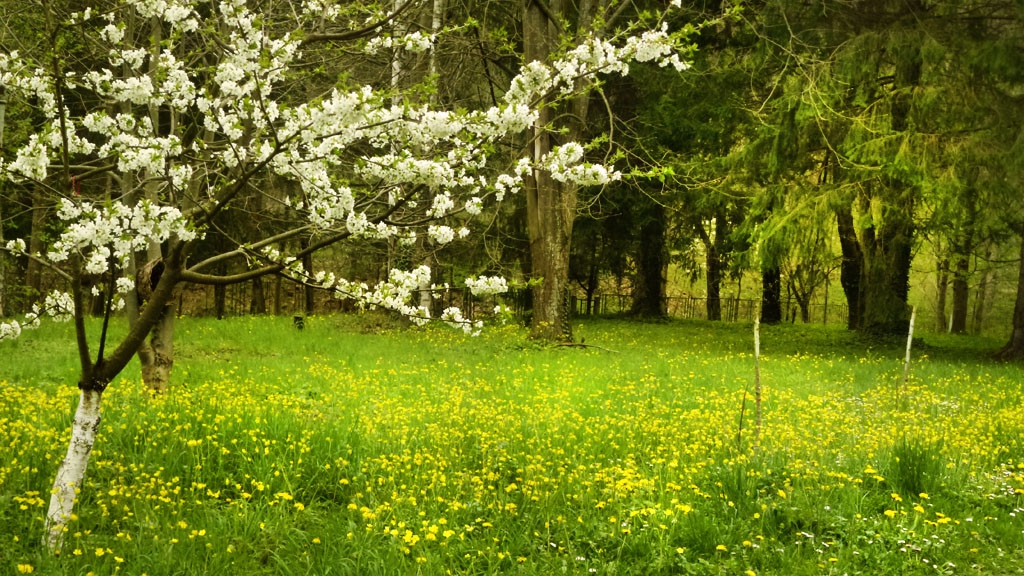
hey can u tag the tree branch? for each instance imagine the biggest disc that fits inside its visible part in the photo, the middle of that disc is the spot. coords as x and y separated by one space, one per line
353 34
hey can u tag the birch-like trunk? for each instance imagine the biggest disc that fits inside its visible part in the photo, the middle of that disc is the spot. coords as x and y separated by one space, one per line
71 473
3 256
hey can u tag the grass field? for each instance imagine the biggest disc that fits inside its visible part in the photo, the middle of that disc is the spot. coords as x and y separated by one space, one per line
341 450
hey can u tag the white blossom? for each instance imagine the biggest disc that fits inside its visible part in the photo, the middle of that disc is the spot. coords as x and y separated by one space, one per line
441 234
487 285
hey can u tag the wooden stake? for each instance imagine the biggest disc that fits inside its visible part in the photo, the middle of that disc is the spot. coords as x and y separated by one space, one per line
757 383
910 340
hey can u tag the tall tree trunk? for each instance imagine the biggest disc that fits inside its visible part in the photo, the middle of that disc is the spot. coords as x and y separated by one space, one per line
550 206
1014 349
960 294
771 295
941 287
713 265
651 263
851 266
887 238
885 278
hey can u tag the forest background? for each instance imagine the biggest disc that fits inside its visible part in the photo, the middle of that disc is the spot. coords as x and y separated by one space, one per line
813 155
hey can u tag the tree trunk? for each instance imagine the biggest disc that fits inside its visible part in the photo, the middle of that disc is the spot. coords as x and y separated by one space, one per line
71 471
651 263
220 298
34 270
1014 349
805 310
885 278
771 295
3 254
308 293
960 294
982 296
550 205
850 268
941 287
277 295
551 208
888 235
713 283
156 355
258 303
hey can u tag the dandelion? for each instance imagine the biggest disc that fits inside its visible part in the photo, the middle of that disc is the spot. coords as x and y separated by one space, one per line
26 569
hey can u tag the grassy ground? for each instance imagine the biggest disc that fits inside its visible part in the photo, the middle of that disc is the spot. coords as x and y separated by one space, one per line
347 450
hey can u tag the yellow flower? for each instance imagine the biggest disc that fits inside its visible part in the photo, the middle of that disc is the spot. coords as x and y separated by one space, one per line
782 494
890 513
26 569
923 495
316 540
750 573
721 548
100 551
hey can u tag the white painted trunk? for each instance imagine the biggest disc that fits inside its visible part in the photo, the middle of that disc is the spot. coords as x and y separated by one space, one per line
69 478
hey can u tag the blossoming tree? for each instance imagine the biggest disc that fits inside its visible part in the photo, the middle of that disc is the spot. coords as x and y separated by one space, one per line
186 110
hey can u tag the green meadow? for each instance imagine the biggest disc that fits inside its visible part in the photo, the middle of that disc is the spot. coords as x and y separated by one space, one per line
365 448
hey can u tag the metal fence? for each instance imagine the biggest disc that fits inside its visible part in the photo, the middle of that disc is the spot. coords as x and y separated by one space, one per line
288 298
693 307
